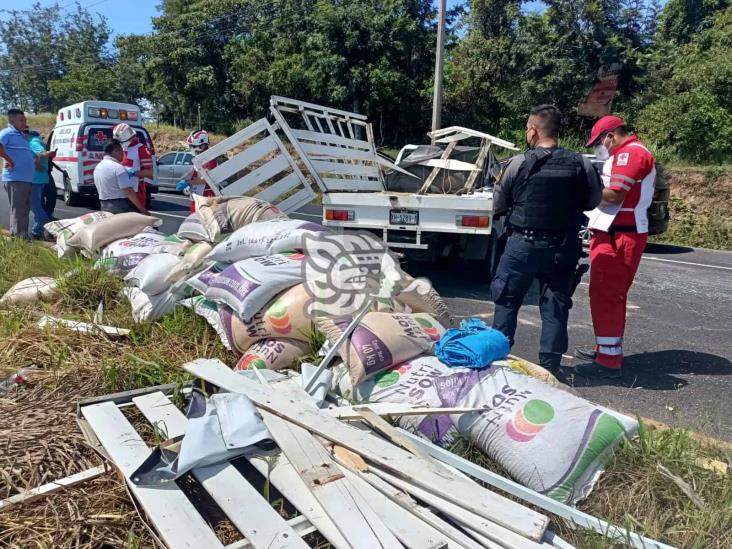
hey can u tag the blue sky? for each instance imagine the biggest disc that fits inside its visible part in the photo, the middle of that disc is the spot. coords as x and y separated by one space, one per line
128 16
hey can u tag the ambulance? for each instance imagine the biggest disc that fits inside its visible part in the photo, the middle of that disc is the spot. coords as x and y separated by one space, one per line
82 131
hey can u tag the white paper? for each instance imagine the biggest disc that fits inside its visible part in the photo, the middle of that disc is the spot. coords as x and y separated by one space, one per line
602 217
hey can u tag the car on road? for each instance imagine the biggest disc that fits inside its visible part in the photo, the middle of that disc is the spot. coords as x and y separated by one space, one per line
81 132
172 167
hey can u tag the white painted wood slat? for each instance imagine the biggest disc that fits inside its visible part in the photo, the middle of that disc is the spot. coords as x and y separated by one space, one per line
300 198
352 184
318 152
243 159
230 142
52 487
275 190
326 168
253 516
318 137
424 473
177 521
258 176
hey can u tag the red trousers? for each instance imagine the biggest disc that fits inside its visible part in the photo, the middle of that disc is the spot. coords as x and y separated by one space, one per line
614 260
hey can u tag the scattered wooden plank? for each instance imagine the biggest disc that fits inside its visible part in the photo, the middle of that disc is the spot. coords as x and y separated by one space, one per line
489 533
433 174
252 515
425 473
175 518
300 524
383 427
573 515
394 409
51 488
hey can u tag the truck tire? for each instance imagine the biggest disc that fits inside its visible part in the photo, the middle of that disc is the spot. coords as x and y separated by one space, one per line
483 270
70 197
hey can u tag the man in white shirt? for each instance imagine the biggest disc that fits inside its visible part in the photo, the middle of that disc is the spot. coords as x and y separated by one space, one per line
116 187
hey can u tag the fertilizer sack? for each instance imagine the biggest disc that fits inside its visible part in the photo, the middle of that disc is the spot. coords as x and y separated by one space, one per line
210 312
199 283
192 229
123 255
30 290
420 297
223 215
282 317
192 262
382 340
547 438
172 244
92 238
264 238
64 229
247 286
149 275
146 308
273 354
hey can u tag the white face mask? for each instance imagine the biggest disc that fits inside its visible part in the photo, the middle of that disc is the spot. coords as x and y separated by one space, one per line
601 151
125 145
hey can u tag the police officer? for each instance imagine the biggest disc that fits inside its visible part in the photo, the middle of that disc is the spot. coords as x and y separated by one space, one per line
543 192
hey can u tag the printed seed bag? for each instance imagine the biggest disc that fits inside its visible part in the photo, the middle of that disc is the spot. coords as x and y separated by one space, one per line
30 290
283 317
124 255
547 438
191 263
264 238
222 215
247 286
146 308
382 340
273 354
149 275
64 229
426 300
92 238
172 244
192 229
200 282
209 311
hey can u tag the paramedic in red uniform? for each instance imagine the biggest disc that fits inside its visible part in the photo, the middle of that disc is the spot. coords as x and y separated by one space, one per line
629 177
197 143
137 158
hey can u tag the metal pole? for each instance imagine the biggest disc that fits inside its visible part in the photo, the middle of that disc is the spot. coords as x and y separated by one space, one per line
439 66
199 116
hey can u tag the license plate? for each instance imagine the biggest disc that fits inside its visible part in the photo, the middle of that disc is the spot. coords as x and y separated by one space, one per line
403 217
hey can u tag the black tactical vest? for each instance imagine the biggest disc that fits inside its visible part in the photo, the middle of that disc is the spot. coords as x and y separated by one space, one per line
549 191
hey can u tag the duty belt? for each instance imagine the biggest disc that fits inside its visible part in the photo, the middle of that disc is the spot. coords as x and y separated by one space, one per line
538 235
623 229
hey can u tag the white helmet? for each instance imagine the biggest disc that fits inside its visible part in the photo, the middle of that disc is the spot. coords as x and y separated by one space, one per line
198 141
123 133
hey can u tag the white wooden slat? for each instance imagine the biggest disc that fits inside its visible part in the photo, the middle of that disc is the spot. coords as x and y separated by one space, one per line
456 538
242 160
498 536
326 168
542 501
317 137
425 473
324 480
456 165
452 138
277 100
319 152
300 524
175 518
253 516
396 409
333 184
230 142
410 530
50 488
275 190
295 201
279 471
259 176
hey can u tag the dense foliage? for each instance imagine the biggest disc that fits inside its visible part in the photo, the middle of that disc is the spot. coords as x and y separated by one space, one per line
224 59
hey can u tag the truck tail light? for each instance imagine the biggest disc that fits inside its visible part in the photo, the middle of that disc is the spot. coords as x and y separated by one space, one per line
339 215
480 221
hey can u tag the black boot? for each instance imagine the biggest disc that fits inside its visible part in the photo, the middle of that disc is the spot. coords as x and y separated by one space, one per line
585 353
594 369
551 362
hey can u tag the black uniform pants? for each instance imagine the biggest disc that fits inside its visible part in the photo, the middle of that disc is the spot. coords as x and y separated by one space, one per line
553 263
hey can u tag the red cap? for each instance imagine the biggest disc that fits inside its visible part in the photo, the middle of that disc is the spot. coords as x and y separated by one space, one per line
605 124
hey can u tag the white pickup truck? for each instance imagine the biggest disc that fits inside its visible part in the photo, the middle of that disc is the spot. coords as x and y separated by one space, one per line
433 202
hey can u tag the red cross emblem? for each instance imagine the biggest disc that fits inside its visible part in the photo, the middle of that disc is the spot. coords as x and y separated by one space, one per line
100 136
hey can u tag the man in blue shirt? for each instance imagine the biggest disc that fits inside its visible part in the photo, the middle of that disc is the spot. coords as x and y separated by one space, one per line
39 182
17 172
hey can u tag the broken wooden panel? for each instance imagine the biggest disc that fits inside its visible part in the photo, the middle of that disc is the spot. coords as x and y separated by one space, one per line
256 163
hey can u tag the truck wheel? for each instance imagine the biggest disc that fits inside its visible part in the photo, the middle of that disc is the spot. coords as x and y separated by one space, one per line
483 270
70 197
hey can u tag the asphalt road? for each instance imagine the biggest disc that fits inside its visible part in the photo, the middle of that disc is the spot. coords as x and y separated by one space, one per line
678 341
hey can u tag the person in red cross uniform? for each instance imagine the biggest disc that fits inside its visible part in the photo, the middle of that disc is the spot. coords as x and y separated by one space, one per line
198 142
137 157
619 236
